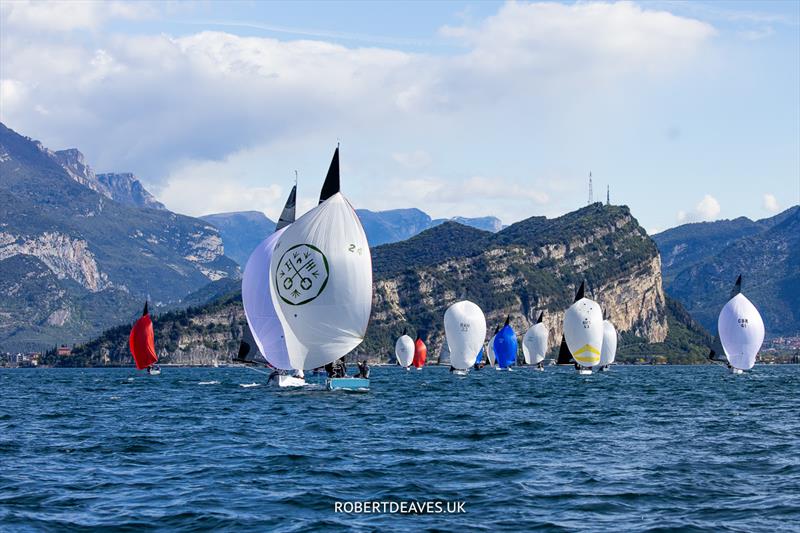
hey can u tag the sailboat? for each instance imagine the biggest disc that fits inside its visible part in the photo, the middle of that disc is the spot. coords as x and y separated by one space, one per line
142 344
321 273
404 350
420 352
740 330
505 346
465 329
490 355
258 299
534 343
609 350
583 331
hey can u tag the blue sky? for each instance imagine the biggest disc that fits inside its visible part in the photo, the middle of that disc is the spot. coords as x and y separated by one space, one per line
689 111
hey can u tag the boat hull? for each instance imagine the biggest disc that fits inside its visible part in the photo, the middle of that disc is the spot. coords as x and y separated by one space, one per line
288 381
585 372
348 384
459 372
736 371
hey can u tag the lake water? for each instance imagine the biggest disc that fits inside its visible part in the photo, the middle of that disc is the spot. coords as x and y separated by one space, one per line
636 449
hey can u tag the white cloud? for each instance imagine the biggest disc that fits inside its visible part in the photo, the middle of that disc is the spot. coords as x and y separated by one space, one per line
164 106
598 39
770 203
416 160
70 15
706 209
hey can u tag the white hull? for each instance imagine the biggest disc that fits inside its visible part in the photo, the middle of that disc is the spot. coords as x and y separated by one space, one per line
539 369
288 381
419 368
458 372
585 372
736 371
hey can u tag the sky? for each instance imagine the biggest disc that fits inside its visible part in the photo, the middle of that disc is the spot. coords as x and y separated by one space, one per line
686 111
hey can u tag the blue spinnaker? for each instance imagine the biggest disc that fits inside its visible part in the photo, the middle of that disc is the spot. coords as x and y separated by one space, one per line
505 347
479 359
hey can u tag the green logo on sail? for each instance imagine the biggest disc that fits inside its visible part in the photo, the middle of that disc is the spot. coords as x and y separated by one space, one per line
302 274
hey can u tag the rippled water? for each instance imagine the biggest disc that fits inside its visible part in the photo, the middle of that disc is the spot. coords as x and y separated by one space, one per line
638 448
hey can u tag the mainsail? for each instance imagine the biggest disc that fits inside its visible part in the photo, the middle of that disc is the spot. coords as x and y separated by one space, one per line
534 343
583 329
420 352
404 350
258 297
609 350
465 328
564 355
506 346
321 275
142 341
741 330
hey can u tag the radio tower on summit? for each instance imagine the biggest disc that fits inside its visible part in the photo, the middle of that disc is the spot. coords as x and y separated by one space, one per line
591 194
608 194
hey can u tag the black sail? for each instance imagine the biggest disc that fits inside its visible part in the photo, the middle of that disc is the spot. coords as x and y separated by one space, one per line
331 185
287 215
564 355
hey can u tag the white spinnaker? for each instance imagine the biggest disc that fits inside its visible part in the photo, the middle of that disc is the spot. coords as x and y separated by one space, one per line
609 350
490 350
741 331
534 344
321 277
583 329
404 350
259 307
465 329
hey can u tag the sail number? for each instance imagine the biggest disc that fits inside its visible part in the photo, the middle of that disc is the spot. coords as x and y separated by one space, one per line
353 249
742 322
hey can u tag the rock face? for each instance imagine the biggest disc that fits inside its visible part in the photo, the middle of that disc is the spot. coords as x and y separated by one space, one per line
74 261
706 258
533 265
124 188
241 232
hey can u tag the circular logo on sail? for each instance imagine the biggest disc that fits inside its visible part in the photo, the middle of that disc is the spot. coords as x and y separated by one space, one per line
302 274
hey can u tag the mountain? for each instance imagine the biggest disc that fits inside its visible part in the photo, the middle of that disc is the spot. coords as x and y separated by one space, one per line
533 265
241 232
124 188
701 262
74 261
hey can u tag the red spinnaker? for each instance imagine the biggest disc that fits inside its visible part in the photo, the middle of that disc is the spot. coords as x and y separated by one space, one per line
420 353
142 342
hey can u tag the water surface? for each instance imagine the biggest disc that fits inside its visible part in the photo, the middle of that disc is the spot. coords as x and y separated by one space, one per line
636 449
